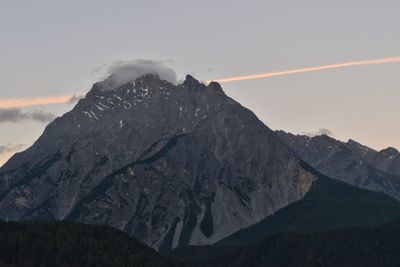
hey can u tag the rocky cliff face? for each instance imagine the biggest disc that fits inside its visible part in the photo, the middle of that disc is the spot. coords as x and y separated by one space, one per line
170 165
350 162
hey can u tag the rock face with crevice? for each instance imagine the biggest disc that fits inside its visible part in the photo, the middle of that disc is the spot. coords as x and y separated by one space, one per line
169 164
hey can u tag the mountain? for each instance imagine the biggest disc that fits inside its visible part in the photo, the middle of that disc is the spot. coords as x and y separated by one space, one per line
169 164
72 244
361 246
349 162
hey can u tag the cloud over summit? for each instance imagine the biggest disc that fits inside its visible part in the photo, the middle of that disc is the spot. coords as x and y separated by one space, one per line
321 131
122 72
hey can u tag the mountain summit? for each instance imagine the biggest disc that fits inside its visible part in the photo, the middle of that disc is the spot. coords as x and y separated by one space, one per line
169 164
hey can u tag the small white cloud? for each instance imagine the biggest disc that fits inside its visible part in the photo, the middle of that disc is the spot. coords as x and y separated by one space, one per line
75 98
8 148
321 131
122 72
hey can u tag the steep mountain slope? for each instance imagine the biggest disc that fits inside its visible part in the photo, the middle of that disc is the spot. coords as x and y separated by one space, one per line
329 205
362 246
72 244
170 165
349 162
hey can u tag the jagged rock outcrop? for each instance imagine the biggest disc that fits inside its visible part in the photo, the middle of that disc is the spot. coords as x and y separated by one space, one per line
169 164
350 162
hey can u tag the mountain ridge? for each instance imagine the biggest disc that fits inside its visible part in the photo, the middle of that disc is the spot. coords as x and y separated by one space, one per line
350 161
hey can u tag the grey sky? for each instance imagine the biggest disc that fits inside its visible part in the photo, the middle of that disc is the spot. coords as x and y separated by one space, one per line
50 48
17 115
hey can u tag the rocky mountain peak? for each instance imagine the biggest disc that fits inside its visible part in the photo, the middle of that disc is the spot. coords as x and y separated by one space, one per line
390 152
359 148
353 142
153 84
190 81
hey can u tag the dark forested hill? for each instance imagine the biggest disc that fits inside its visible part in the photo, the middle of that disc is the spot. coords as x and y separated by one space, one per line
72 244
362 246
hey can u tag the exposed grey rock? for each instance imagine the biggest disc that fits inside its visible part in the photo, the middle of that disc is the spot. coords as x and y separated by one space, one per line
350 162
170 165
387 159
